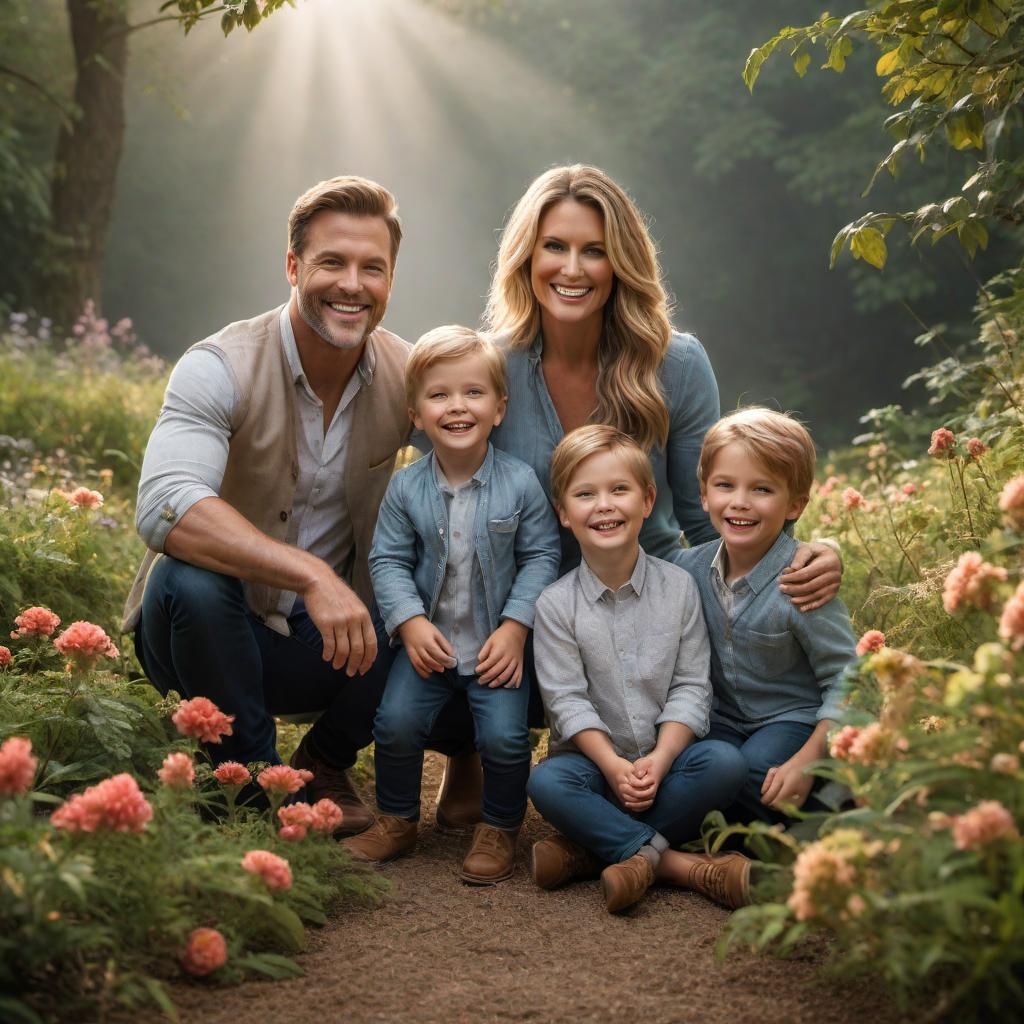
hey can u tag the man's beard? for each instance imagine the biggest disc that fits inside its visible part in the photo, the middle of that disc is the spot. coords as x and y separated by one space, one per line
310 311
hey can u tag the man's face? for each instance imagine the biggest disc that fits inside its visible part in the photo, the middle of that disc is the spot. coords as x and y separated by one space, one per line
342 278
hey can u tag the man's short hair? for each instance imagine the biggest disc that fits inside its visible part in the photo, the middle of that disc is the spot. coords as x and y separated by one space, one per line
775 439
583 442
345 194
453 342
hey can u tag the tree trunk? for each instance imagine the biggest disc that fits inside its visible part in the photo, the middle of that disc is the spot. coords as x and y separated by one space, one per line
88 154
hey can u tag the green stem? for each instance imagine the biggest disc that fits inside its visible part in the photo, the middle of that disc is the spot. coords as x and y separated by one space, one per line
60 729
864 544
967 503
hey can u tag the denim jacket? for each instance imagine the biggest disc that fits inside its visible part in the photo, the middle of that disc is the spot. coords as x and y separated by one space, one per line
515 538
769 661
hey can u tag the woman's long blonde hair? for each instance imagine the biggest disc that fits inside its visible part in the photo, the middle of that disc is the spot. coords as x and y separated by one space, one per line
637 327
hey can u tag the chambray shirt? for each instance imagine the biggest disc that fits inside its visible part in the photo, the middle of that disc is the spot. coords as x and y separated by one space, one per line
531 429
622 661
769 661
514 539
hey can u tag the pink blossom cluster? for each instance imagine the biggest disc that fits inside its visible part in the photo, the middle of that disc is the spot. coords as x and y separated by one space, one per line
1011 502
296 819
35 621
971 583
1005 764
115 804
873 640
867 745
84 643
201 719
818 872
178 771
17 766
943 443
894 669
283 779
273 870
82 497
1011 622
828 486
983 824
205 951
5 656
231 773
975 447
909 488
852 498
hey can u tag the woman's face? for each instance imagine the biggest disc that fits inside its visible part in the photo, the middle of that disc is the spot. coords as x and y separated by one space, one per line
570 271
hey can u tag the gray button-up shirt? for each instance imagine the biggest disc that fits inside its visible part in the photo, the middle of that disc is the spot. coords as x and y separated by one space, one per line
623 661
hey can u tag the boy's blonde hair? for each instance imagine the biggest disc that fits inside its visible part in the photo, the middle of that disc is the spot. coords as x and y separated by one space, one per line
453 342
583 442
773 438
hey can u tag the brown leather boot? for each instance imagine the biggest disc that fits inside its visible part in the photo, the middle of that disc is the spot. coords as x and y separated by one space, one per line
558 860
724 878
491 857
334 784
626 882
459 797
387 838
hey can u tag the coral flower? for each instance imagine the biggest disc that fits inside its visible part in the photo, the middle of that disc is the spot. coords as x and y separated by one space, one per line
976 447
1011 502
202 719
177 771
852 498
283 779
843 741
983 824
292 833
231 773
972 583
327 816
828 486
274 870
943 442
205 952
35 621
84 643
5 656
873 640
817 873
116 804
909 488
82 497
1011 622
17 766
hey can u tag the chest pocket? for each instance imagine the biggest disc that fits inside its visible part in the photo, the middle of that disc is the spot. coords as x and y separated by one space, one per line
767 655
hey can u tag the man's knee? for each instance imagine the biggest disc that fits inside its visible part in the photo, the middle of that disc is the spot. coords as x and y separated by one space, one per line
186 589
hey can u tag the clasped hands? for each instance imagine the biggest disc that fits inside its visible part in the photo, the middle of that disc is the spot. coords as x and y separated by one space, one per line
635 783
501 657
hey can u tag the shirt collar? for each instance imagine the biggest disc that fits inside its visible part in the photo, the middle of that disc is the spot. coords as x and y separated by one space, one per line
478 479
593 589
367 362
774 560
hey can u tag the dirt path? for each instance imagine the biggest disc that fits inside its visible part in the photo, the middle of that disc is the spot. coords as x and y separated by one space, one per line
440 952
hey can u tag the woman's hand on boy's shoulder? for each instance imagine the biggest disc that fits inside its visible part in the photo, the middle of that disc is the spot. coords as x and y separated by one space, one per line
812 579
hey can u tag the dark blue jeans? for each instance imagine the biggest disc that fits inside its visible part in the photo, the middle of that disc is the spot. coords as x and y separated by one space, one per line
570 792
197 636
406 716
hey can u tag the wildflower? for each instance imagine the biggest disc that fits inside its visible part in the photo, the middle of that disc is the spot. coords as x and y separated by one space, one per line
931 724
819 870
976 447
943 442
82 497
852 498
283 779
291 833
327 816
35 621
873 640
1011 502
177 771
828 486
5 656
909 488
274 870
843 741
84 643
231 773
1011 622
205 951
17 766
983 824
115 804
875 744
1005 764
855 905
972 583
202 719
894 669
296 819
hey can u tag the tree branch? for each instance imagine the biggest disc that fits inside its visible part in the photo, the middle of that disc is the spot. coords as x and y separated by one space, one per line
168 17
67 113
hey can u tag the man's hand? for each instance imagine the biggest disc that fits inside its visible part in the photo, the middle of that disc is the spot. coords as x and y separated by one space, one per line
344 623
814 576
501 657
787 783
426 646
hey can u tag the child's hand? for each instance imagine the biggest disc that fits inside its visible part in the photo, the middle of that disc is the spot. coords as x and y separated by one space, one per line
787 783
501 657
635 794
426 646
648 771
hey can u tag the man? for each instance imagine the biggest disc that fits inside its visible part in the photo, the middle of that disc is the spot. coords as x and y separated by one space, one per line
261 485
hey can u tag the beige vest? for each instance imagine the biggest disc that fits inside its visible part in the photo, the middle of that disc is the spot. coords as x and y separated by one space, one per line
262 467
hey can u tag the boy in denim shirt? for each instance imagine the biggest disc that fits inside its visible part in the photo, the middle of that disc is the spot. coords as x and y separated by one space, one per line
465 542
776 672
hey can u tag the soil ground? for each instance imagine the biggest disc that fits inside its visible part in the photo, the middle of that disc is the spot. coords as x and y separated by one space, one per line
440 952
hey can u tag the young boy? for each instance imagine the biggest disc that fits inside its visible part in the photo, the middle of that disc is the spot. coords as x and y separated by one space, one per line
465 542
776 672
622 662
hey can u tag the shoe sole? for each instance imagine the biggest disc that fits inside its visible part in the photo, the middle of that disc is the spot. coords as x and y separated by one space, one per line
374 860
447 828
482 880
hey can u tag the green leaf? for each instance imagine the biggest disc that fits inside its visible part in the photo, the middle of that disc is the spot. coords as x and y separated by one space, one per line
156 992
757 57
273 965
801 63
286 926
15 1010
868 244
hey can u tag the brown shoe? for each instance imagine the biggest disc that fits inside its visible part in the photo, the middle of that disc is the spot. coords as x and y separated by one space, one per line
624 883
387 838
558 860
492 856
724 878
460 794
334 784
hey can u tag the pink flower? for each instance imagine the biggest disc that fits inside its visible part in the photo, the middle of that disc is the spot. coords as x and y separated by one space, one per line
291 833
852 498
202 719
84 643
818 871
1011 622
983 824
909 488
843 741
874 744
205 952
5 656
282 778
231 773
976 447
296 814
1011 502
972 583
35 621
115 804
177 771
274 870
828 486
943 442
17 766
873 640
82 497
327 816
1005 764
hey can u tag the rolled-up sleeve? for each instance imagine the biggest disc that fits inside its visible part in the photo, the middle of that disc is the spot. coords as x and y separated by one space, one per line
188 450
689 693
827 639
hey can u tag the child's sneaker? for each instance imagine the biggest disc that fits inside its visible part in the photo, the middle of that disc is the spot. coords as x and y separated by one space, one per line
491 857
724 878
558 860
626 882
